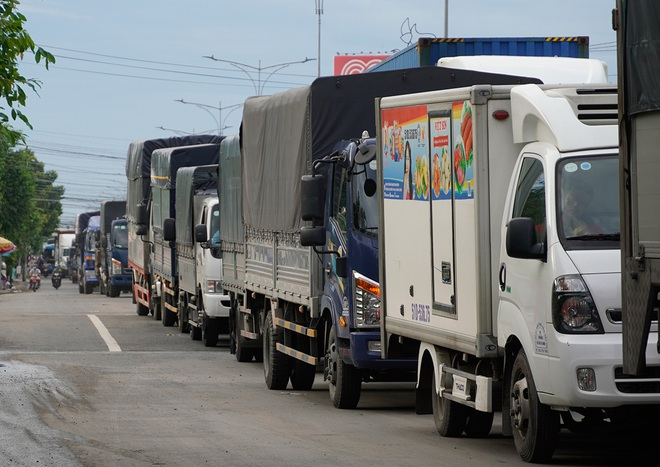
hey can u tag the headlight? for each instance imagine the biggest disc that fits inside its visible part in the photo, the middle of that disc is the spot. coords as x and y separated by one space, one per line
214 287
367 301
573 308
116 267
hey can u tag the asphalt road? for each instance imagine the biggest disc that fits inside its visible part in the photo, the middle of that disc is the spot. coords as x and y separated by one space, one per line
85 381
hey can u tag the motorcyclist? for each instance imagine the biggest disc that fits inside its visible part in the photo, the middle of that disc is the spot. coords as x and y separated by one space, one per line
35 273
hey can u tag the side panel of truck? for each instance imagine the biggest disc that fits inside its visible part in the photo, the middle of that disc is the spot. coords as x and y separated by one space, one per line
639 121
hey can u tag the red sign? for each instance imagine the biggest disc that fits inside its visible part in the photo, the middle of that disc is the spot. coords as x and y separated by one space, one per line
354 64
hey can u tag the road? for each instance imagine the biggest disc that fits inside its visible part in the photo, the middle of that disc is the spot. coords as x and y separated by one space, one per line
85 381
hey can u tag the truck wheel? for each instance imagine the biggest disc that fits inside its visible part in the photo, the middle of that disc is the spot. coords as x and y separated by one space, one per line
81 289
113 291
345 382
478 423
141 309
168 316
195 333
302 375
243 354
182 316
450 417
276 364
535 426
89 288
210 331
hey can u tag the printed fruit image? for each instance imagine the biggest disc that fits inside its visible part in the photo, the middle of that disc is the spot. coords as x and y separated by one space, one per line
445 172
437 177
421 178
460 166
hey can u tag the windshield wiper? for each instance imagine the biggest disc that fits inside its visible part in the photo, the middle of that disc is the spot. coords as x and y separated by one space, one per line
613 237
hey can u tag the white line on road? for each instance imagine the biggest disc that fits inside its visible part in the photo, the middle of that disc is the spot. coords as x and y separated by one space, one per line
105 334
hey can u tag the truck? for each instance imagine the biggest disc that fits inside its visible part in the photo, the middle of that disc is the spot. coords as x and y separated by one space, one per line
203 305
63 241
639 121
165 163
138 215
112 250
87 276
289 308
428 50
499 258
78 260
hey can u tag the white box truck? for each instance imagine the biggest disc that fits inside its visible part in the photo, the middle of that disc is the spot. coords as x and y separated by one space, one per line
499 244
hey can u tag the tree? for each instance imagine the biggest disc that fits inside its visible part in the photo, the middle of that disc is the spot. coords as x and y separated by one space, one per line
14 43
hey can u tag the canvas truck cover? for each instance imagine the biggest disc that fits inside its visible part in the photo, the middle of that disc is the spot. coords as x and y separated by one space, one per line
166 162
641 60
110 211
282 134
191 180
138 166
229 191
82 220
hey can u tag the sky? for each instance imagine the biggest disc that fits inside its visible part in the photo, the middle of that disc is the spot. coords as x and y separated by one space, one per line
122 65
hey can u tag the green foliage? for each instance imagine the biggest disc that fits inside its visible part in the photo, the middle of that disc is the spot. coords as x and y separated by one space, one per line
14 43
30 205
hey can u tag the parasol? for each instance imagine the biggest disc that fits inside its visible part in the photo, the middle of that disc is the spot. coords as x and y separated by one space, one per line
6 246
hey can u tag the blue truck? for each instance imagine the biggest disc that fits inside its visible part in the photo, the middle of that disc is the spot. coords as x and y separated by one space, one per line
112 250
427 51
301 309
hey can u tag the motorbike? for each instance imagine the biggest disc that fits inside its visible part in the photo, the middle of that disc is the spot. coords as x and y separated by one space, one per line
56 279
35 282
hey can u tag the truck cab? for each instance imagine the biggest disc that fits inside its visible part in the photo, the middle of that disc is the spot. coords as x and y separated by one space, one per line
119 277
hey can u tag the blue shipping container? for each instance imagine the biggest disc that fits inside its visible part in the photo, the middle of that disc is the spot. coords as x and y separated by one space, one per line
427 51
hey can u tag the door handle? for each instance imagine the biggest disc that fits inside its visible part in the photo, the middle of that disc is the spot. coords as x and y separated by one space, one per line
502 277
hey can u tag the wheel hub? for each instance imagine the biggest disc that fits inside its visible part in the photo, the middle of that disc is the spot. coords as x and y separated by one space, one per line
520 405
331 356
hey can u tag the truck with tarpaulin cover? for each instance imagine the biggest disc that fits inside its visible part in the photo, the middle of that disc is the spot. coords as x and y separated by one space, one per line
112 250
203 305
138 205
78 248
290 306
638 38
165 163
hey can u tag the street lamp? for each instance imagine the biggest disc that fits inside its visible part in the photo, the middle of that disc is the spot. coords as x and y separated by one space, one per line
247 69
219 122
319 11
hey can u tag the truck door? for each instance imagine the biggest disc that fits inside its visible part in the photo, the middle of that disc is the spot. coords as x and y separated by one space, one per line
523 288
442 212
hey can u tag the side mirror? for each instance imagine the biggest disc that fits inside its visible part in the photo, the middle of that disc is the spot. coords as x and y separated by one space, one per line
521 239
200 233
312 236
141 229
141 214
365 153
312 192
169 229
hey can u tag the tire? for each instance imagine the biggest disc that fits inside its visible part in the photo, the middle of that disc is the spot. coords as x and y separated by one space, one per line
89 288
243 354
450 417
81 289
277 366
345 383
535 426
196 333
168 316
141 310
302 375
210 331
182 316
113 291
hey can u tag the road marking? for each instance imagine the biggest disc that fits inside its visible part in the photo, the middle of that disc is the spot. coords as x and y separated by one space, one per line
105 334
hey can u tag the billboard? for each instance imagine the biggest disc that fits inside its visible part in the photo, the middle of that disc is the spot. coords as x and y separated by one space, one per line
354 64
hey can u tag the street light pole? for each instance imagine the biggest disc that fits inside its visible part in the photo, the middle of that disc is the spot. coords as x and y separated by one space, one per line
247 69
219 123
319 12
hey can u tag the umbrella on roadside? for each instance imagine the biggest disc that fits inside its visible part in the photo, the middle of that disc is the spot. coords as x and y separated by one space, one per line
6 246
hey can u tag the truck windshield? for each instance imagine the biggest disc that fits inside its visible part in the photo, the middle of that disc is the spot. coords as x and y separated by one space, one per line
588 202
120 235
365 207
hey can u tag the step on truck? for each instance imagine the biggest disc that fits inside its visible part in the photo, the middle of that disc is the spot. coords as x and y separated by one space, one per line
502 266
203 306
112 250
138 215
296 309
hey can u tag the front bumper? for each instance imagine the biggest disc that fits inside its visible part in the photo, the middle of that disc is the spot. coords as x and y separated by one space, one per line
216 305
361 357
